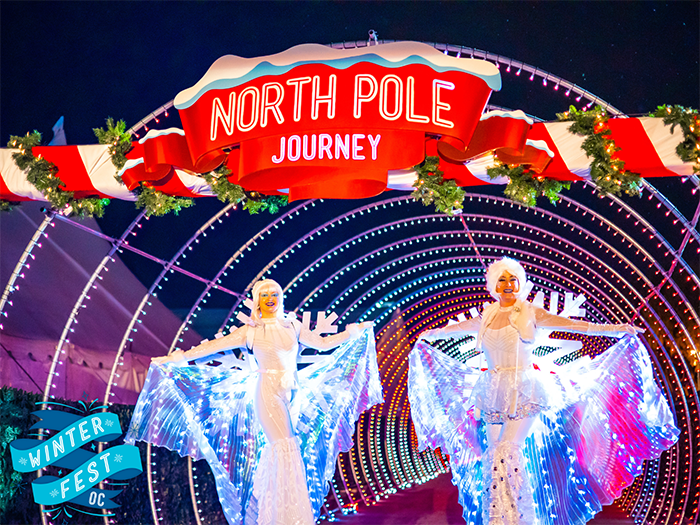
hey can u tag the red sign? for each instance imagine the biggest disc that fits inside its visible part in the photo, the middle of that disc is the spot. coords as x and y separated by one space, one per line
327 122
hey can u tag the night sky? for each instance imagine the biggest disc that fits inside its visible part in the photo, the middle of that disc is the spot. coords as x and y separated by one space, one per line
88 61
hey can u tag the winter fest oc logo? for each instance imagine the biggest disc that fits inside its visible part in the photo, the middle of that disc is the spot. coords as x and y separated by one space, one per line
87 467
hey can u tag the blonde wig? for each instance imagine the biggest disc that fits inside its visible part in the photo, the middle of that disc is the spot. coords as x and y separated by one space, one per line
255 314
496 269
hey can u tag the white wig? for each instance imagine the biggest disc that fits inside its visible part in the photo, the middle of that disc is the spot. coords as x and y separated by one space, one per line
496 269
255 314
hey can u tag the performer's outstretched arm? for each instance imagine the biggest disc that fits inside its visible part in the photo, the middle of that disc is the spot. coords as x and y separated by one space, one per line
317 342
546 320
468 327
236 339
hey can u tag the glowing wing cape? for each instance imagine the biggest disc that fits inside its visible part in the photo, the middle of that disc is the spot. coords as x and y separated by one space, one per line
207 412
607 417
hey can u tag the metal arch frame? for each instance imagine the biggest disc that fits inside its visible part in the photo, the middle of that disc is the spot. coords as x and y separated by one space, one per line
644 252
525 226
229 265
549 283
422 458
318 230
499 60
427 237
21 263
167 268
548 248
585 209
634 266
84 295
647 255
383 283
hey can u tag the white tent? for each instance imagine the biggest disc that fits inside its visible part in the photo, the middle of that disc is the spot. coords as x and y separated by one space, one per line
45 293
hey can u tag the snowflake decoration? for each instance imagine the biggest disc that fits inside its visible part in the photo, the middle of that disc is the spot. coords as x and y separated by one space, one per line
118 458
109 423
54 493
23 461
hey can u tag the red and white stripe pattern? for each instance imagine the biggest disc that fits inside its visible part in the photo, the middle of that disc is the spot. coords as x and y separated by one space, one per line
646 144
87 171
647 147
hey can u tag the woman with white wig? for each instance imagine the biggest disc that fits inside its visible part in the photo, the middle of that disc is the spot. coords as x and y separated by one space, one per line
515 399
269 433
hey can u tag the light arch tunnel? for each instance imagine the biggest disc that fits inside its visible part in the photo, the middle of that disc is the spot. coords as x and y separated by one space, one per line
394 261
397 262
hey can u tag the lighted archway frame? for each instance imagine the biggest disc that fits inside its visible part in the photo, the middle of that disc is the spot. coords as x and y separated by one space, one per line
430 267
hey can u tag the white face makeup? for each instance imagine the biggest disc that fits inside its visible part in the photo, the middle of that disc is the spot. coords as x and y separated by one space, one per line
269 301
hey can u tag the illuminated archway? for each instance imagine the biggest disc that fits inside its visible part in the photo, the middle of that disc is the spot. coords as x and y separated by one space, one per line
393 260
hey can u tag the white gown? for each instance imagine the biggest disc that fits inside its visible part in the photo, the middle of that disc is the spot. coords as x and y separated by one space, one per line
579 455
279 485
270 435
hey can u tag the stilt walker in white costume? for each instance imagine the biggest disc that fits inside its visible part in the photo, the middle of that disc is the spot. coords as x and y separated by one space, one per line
269 433
556 442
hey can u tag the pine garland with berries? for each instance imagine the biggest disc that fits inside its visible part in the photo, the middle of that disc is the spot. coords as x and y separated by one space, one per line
43 175
253 202
118 139
607 173
8 205
155 202
524 185
158 203
432 188
687 119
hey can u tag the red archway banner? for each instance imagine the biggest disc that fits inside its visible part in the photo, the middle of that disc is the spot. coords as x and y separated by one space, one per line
315 121
318 122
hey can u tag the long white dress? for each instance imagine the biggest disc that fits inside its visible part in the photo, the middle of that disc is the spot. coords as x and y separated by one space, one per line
270 444
580 453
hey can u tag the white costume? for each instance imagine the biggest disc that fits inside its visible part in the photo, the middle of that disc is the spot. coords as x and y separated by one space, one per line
497 484
306 418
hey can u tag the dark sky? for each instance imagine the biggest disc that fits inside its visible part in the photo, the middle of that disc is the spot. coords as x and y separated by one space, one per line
91 60
88 61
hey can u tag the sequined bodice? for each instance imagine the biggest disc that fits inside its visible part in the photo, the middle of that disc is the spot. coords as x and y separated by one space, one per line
275 347
502 346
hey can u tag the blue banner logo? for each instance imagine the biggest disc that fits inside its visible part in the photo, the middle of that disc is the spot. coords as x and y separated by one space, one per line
64 451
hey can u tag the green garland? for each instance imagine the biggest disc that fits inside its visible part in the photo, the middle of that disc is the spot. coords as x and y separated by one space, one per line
44 176
158 203
10 480
155 202
687 119
432 188
254 202
607 173
8 205
118 139
524 186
